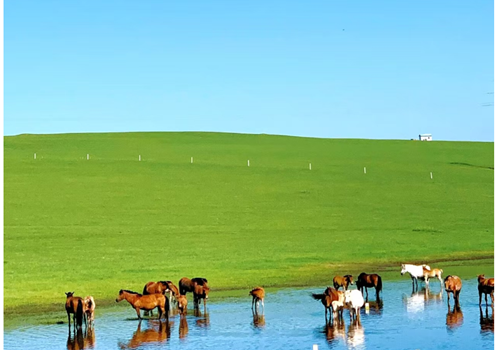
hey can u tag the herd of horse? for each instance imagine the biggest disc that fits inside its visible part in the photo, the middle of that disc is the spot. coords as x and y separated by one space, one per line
162 294
335 300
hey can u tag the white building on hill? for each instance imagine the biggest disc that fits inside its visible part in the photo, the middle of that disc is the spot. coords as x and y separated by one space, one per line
425 137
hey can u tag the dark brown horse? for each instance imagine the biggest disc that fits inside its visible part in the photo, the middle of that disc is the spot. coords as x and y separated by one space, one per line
200 292
369 281
453 284
342 281
186 285
486 286
74 305
145 302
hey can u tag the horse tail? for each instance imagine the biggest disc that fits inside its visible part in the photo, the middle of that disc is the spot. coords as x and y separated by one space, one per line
318 296
379 284
79 313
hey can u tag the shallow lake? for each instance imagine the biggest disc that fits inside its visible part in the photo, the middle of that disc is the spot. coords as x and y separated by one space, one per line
293 320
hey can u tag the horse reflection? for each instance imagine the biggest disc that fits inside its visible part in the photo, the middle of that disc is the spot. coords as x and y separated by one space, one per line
81 340
487 322
183 327
355 334
375 307
419 299
455 318
259 320
159 333
204 321
334 332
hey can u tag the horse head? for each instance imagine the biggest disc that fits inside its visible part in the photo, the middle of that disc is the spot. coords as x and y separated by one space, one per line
120 296
403 269
70 294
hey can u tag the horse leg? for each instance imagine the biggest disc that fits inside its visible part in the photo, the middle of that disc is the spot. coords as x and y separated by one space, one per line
138 313
492 298
69 321
262 301
159 312
480 297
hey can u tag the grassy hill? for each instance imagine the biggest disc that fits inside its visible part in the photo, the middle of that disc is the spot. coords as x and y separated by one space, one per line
96 226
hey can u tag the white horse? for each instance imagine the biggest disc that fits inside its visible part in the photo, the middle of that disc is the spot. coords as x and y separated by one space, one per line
354 300
415 271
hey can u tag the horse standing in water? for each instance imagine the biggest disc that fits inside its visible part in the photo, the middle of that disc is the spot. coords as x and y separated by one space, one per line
258 294
155 288
486 286
453 284
416 272
369 281
74 305
89 308
145 302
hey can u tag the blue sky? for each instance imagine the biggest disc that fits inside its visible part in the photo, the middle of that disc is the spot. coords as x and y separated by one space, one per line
336 69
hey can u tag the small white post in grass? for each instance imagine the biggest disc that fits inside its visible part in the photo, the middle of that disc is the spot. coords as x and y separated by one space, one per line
364 170
315 346
248 162
191 160
309 166
34 156
139 157
88 156
431 175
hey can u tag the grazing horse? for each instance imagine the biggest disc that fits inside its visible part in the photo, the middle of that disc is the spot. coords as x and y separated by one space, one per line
432 273
173 291
145 302
182 304
486 286
369 281
453 284
415 271
354 300
200 292
342 281
258 294
74 305
186 285
88 309
327 298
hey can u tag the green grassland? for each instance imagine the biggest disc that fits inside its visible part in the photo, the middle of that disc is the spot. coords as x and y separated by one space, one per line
113 222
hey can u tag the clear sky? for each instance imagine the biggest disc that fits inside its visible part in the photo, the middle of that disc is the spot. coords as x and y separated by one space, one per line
337 69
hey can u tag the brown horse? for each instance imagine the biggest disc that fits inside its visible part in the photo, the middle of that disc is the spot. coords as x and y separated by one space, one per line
453 284
369 281
432 273
145 302
258 294
200 292
74 305
88 309
160 287
182 304
328 297
186 285
486 286
342 281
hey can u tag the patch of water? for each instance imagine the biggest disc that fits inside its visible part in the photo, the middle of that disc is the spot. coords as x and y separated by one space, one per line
292 320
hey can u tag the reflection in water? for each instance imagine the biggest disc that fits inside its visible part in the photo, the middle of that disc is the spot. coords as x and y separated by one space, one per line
335 332
183 327
375 307
486 321
204 321
455 318
355 335
421 298
80 340
259 321
157 334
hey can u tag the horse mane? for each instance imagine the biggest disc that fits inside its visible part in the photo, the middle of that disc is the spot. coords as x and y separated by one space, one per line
129 291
